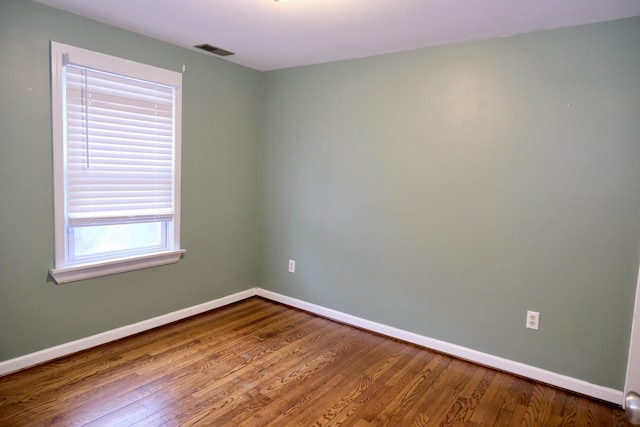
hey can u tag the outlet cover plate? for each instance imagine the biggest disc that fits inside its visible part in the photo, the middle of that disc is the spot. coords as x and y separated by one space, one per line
533 320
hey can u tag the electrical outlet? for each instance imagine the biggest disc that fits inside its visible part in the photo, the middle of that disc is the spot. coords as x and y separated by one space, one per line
533 320
292 266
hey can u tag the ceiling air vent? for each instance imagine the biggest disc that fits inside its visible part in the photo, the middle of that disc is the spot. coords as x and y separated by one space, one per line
213 49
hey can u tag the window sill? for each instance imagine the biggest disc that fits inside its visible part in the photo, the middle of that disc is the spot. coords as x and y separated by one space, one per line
90 271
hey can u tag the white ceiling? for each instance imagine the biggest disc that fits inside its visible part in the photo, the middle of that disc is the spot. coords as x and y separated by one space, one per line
268 35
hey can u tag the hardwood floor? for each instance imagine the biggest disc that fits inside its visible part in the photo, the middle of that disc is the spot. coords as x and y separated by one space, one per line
259 363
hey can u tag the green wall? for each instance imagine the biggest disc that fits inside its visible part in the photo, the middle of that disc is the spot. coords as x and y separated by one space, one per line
220 184
446 191
443 191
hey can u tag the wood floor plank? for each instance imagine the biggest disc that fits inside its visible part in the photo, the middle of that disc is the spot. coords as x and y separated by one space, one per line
291 375
218 381
400 407
539 407
69 380
411 364
205 378
43 373
150 367
443 391
490 410
463 408
373 367
260 363
293 404
378 383
516 401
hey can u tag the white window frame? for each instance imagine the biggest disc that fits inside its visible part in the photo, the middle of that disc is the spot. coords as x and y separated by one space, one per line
64 269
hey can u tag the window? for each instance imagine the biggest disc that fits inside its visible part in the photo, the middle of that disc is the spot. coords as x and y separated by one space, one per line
116 146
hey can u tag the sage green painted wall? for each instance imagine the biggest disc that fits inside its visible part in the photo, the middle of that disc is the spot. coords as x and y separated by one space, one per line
220 185
446 191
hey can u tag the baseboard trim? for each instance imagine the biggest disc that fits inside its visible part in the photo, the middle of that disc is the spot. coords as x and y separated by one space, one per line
517 368
32 359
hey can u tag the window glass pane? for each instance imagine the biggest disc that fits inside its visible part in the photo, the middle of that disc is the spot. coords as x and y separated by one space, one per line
102 239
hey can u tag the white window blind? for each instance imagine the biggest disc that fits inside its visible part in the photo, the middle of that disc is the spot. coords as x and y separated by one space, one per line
116 127
120 151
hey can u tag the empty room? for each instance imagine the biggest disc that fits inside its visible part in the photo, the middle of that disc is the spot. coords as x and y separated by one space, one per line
319 212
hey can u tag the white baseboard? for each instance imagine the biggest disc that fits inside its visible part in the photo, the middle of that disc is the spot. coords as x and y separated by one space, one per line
548 377
61 350
517 368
